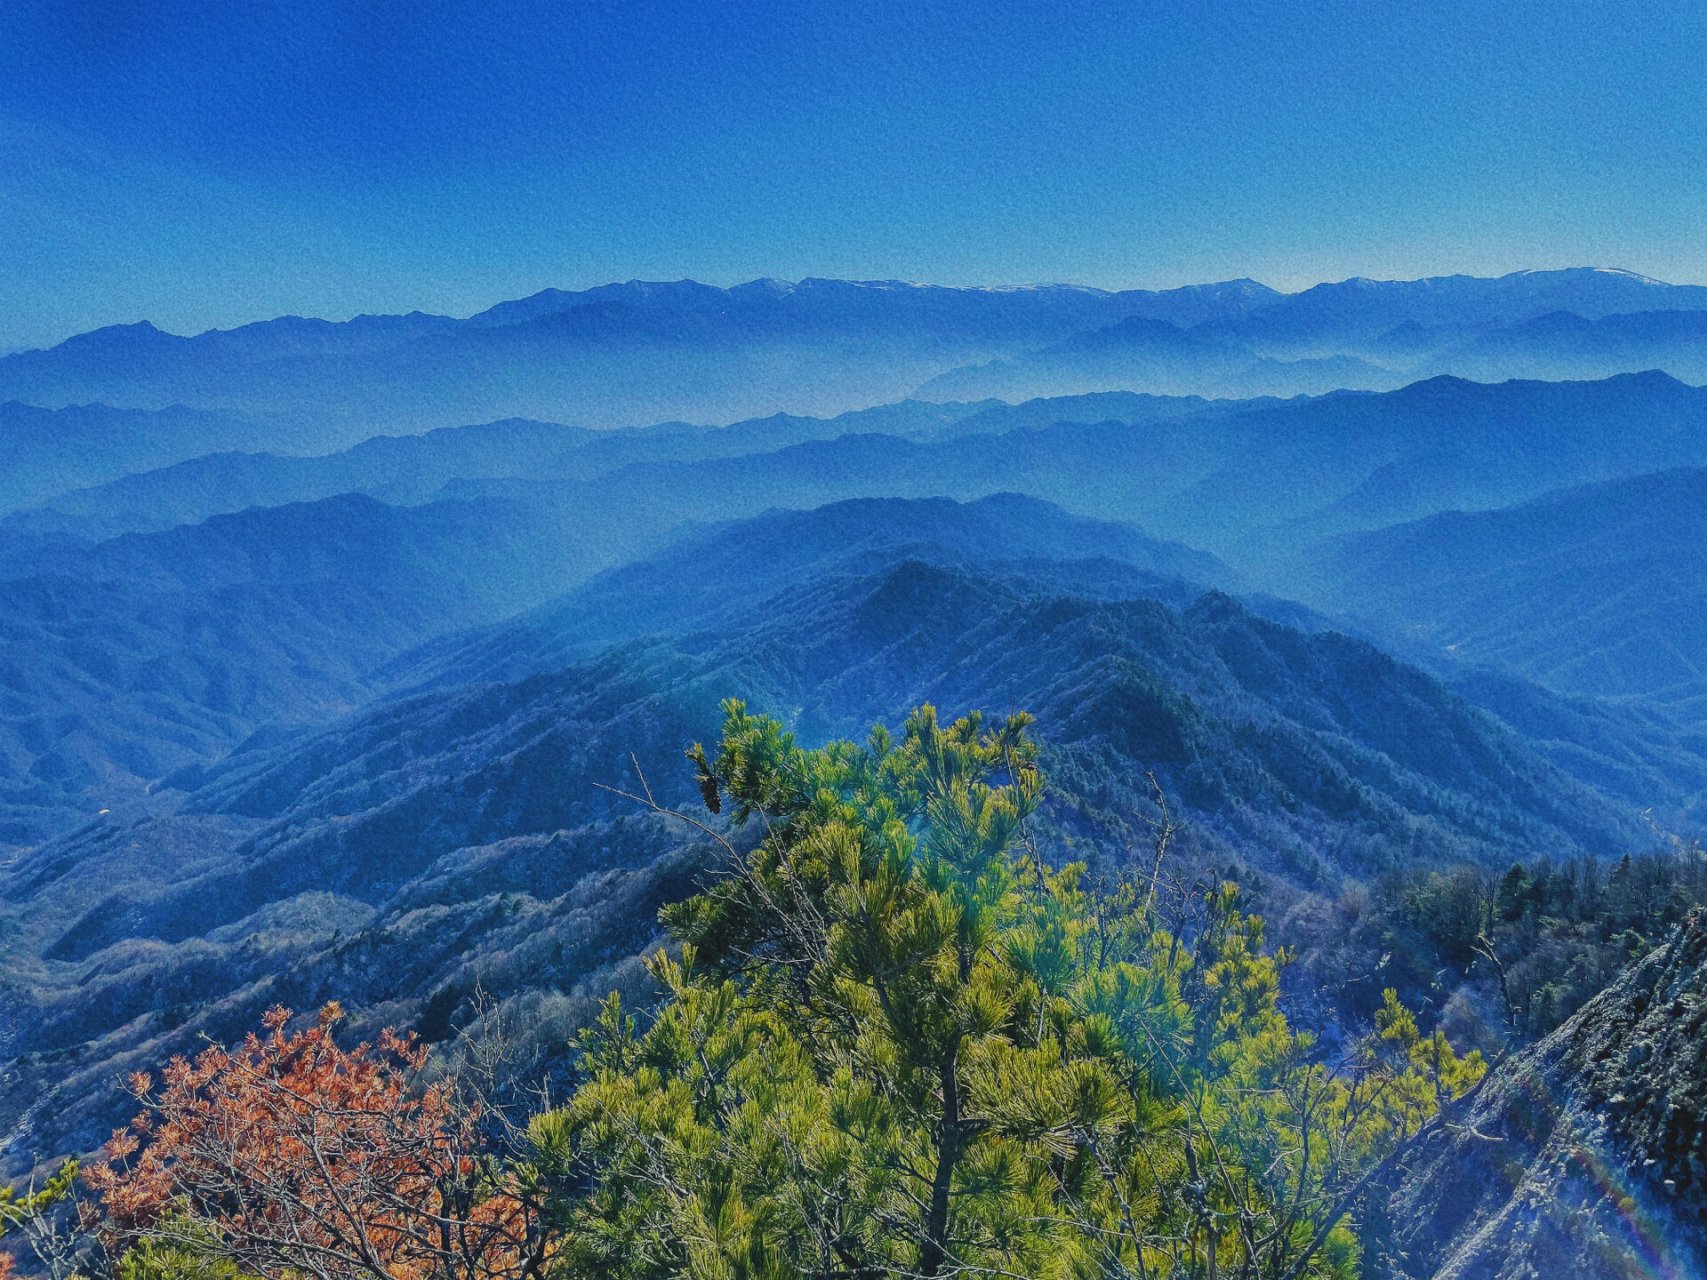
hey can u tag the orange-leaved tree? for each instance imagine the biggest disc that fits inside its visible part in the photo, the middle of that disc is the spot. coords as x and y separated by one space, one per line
290 1155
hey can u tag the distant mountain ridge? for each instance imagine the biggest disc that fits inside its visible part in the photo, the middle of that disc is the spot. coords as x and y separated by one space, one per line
1563 344
1361 306
1591 292
625 354
1596 589
1242 482
50 451
616 355
1252 482
835 303
1376 335
1229 475
414 468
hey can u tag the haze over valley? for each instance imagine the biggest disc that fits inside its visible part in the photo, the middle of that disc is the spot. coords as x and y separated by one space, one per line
313 694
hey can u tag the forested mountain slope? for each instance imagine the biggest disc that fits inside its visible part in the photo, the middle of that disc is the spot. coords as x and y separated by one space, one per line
124 661
1595 590
291 712
723 575
1583 1157
458 838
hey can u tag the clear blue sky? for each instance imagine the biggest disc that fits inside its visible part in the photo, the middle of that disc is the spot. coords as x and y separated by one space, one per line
207 163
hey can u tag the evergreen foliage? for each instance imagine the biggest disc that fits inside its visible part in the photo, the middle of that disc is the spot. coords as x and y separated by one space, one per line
1511 955
27 1211
894 1042
897 1043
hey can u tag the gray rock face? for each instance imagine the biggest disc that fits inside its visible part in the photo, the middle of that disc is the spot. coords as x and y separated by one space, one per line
1585 1156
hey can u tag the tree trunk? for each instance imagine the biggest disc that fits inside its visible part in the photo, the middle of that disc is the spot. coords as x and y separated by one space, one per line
933 1250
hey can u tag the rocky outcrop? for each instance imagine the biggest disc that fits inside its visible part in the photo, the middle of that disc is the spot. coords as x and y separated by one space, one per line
1584 1157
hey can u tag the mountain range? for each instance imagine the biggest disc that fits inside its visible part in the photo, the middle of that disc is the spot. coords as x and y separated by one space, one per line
619 354
329 650
195 633
645 352
456 836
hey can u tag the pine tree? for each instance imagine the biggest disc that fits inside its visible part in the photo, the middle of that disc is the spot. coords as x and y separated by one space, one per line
29 1212
896 1042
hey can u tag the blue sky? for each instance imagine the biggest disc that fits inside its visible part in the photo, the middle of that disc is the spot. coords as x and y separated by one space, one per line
203 164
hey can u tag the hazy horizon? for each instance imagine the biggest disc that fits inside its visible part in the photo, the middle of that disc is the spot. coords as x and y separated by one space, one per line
464 312
206 168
